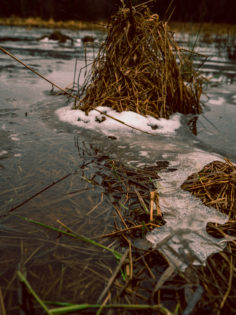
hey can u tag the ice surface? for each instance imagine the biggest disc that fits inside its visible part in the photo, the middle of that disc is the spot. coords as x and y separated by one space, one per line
14 137
47 40
217 101
3 152
144 153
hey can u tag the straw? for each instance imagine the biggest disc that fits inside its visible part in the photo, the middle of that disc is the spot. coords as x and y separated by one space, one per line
140 68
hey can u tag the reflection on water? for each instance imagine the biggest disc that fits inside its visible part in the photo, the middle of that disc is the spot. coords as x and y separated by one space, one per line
36 150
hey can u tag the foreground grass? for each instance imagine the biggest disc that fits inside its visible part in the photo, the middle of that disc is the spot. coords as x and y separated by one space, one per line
65 308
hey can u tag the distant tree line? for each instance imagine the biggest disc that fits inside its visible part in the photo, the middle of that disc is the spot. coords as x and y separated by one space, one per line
219 11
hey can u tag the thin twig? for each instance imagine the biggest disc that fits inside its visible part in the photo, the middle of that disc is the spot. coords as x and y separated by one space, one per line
135 227
152 194
95 207
40 192
2 305
120 216
229 285
142 202
115 273
164 277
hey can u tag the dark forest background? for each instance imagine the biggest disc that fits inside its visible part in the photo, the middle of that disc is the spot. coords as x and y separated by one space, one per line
215 11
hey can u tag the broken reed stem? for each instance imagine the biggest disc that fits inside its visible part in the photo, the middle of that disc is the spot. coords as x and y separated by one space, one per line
104 303
129 267
229 284
148 269
159 214
64 226
121 217
131 271
2 305
131 18
40 192
113 277
154 197
164 277
136 227
142 202
95 207
152 194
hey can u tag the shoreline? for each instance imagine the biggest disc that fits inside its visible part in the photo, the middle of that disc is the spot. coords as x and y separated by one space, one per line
36 22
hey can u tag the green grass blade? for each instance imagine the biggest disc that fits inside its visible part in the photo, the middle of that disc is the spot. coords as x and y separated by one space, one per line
32 292
73 235
79 307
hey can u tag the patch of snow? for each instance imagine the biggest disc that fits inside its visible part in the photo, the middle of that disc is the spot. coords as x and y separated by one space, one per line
102 123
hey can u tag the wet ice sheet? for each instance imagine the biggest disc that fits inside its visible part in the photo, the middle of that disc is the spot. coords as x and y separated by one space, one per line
217 101
3 153
216 126
185 215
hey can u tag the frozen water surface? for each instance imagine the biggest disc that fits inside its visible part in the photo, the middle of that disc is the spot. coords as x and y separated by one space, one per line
37 132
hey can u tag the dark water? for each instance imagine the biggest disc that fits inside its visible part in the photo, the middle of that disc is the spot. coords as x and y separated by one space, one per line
37 149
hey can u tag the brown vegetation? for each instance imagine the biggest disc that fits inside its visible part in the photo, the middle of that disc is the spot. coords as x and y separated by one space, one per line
51 23
215 185
140 68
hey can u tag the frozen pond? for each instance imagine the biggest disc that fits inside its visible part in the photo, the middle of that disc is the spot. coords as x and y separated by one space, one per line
38 128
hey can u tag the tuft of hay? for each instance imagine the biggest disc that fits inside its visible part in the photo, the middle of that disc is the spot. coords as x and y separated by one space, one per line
140 68
215 185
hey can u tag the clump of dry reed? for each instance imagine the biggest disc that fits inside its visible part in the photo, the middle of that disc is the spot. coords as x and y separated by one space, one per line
141 68
215 185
